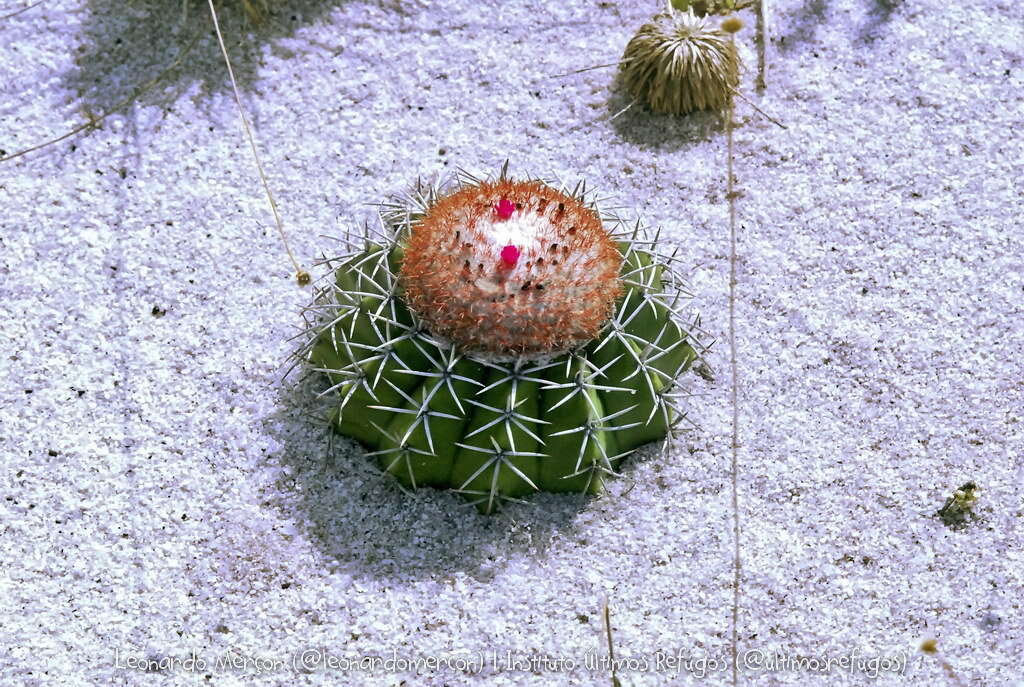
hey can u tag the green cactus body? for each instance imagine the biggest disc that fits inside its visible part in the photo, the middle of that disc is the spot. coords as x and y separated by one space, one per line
491 414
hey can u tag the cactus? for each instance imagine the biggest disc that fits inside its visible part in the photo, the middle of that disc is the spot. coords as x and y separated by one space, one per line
499 339
679 63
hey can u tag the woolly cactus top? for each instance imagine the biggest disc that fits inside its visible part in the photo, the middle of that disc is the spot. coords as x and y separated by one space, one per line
511 269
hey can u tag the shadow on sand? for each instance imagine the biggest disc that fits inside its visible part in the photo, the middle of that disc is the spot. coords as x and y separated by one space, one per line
665 133
800 28
126 45
365 524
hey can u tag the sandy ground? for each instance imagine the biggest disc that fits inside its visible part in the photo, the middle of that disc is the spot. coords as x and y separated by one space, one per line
167 496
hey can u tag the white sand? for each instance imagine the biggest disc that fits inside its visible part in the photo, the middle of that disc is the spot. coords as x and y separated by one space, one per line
166 494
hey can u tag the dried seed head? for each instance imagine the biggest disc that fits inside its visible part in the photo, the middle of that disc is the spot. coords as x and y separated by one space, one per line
732 24
679 63
511 268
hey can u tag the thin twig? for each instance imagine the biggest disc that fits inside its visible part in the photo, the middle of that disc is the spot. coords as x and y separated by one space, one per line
762 40
731 195
300 275
611 645
622 111
94 121
585 69
759 110
23 9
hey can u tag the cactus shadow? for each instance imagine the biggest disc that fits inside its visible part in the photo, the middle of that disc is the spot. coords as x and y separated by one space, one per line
124 46
802 25
881 14
633 122
364 524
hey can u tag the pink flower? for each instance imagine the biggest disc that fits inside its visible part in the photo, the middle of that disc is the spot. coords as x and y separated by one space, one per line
509 255
505 208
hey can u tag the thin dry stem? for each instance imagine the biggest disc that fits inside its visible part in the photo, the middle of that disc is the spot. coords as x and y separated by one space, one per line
23 9
611 644
762 40
301 276
731 195
759 110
